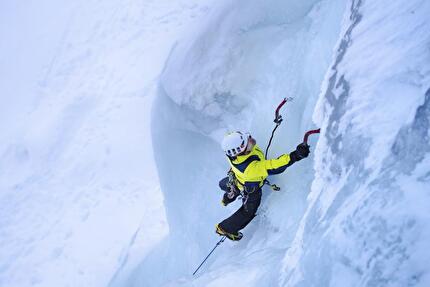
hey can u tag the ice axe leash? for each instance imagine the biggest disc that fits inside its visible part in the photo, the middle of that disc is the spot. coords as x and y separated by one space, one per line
278 120
218 243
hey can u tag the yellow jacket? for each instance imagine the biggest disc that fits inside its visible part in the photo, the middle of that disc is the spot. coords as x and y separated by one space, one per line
252 169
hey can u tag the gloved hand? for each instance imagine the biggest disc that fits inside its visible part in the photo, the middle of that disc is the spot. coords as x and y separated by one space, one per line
229 197
302 150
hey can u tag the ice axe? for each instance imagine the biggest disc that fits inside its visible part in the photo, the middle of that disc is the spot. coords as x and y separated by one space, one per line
308 133
305 141
278 120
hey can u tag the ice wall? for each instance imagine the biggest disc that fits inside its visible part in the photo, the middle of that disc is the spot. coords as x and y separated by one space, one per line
80 198
367 223
230 73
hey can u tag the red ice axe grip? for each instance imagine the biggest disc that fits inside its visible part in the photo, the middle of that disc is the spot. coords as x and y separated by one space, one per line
278 118
308 133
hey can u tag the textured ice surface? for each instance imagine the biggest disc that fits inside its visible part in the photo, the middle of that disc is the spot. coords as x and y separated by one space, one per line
366 223
231 74
96 191
80 201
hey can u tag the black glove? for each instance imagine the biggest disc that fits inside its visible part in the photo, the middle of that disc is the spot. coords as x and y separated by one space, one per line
229 197
301 152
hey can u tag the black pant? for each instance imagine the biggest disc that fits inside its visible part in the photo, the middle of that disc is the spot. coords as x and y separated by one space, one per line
244 214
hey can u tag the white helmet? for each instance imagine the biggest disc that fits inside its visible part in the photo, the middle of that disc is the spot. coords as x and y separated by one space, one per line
235 143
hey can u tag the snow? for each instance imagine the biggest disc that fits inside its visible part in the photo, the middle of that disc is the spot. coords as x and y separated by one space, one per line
80 197
111 123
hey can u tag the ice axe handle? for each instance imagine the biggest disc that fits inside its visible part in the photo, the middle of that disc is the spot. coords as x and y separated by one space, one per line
278 118
308 133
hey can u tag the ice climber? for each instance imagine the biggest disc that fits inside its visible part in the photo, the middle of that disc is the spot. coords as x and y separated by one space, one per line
248 171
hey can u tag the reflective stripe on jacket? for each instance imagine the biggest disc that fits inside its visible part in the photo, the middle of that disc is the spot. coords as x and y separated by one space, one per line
252 169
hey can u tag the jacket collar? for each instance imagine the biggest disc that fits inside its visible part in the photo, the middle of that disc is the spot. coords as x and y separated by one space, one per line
241 158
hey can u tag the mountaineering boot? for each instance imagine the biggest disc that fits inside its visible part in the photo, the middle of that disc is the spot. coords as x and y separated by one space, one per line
231 236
